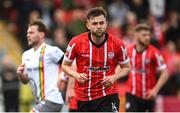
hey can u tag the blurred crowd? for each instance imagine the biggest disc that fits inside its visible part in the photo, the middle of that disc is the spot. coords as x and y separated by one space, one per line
66 18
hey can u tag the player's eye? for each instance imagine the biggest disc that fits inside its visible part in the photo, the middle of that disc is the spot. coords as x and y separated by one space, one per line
94 23
101 23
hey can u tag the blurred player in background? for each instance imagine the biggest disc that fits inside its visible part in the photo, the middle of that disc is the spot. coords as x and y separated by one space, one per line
70 92
146 60
10 85
70 95
39 68
66 85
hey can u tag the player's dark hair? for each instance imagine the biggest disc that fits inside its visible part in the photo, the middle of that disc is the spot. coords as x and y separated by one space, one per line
41 26
96 11
143 26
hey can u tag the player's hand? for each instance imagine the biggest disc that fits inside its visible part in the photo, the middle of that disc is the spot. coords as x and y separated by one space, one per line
108 81
69 94
20 70
151 94
21 75
81 78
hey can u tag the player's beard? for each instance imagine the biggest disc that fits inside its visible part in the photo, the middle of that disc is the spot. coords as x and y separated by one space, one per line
99 33
144 44
33 43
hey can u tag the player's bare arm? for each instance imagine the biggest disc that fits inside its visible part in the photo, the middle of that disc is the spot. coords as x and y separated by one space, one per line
21 75
80 77
70 89
151 94
120 72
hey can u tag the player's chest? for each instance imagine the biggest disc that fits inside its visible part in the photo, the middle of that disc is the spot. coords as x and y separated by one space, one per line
35 61
141 59
97 55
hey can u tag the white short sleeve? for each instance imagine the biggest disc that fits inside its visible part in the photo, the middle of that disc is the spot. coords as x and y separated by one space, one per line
56 54
23 58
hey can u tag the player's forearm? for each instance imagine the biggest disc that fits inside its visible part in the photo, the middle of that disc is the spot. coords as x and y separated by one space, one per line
69 71
71 82
122 72
23 79
162 80
70 87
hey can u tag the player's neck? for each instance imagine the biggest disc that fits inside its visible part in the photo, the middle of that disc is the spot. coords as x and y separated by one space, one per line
97 40
38 45
140 47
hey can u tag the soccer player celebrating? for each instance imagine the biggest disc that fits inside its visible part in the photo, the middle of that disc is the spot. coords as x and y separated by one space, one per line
39 68
97 54
146 61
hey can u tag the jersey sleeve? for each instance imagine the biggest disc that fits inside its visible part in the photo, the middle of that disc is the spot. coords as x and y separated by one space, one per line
71 51
122 54
159 61
56 54
23 58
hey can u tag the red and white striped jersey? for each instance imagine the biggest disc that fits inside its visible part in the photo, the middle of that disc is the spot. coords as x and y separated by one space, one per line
144 67
97 61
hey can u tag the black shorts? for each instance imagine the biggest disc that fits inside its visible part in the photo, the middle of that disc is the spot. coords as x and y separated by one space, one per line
72 110
109 103
136 104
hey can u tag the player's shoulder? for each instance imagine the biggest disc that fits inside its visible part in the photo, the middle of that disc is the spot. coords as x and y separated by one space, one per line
52 48
114 39
49 47
80 37
111 36
28 52
131 46
153 48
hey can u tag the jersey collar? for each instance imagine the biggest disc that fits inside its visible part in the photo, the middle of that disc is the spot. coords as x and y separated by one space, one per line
39 49
96 45
139 52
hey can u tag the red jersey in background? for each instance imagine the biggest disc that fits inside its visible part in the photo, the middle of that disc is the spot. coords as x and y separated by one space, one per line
144 67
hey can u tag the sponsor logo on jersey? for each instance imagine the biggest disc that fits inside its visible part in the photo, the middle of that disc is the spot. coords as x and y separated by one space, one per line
27 59
85 55
139 70
98 69
33 69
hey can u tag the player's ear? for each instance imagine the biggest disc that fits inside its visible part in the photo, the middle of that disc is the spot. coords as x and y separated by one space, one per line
42 34
87 24
136 35
107 23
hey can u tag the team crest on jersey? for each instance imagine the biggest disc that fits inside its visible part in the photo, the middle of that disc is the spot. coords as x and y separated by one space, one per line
147 61
111 55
